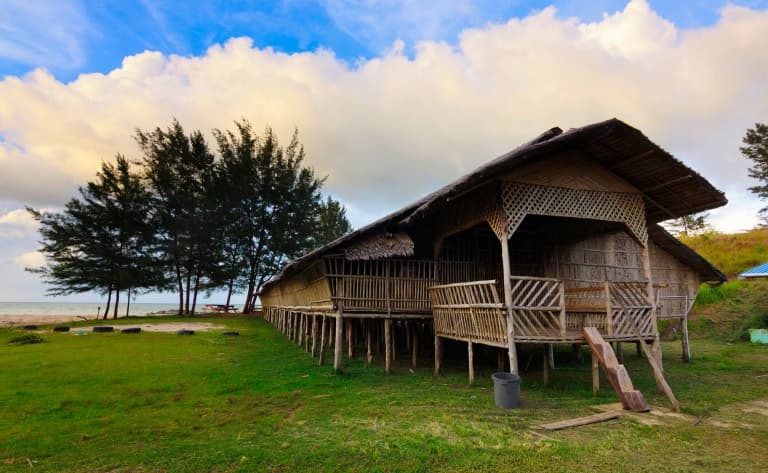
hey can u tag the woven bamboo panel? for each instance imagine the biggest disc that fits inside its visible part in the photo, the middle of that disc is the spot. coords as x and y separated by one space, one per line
537 308
469 311
521 199
630 305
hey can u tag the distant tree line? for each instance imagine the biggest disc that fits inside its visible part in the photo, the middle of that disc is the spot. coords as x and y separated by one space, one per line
184 219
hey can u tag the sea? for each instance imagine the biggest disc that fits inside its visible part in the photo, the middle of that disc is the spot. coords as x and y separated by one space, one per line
87 309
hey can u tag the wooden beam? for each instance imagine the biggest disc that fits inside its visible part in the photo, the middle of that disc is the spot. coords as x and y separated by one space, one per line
593 419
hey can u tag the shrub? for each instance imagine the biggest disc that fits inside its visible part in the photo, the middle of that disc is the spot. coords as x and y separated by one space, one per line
25 340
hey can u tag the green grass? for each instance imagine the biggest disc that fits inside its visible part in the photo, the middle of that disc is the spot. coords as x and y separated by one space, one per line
729 310
155 402
732 253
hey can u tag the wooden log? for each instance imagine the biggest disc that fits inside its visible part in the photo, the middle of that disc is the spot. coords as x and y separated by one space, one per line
593 419
322 342
471 362
620 352
438 353
414 346
551 355
545 365
638 349
387 346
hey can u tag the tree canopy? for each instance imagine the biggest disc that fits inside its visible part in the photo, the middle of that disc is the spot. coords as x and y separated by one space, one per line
755 149
188 219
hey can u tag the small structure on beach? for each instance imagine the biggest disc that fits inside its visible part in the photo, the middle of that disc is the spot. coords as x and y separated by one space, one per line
557 235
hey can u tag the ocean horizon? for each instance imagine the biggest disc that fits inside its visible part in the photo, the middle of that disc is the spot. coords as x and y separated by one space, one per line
87 309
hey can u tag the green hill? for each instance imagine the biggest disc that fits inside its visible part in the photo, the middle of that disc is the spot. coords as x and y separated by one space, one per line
732 253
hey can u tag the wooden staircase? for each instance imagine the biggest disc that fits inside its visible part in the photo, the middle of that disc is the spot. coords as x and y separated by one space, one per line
631 398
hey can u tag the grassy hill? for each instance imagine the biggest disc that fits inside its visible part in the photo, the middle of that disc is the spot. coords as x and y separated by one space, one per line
729 310
732 253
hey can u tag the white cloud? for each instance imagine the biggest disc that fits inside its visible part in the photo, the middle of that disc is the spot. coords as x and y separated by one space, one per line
30 259
43 32
392 128
18 217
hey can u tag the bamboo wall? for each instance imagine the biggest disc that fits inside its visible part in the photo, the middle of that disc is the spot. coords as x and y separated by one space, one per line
308 288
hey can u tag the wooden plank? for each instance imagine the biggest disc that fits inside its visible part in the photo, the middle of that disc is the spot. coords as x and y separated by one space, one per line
593 419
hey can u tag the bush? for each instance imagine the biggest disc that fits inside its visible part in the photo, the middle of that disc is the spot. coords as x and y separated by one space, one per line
25 340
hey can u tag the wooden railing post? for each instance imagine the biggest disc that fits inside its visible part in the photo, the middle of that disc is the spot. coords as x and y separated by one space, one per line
561 288
608 309
507 271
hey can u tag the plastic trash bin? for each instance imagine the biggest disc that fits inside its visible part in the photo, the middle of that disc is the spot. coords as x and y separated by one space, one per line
506 390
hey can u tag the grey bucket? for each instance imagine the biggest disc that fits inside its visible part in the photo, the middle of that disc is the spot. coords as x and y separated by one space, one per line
506 390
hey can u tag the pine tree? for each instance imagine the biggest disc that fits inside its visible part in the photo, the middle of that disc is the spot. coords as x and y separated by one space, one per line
272 201
331 222
756 149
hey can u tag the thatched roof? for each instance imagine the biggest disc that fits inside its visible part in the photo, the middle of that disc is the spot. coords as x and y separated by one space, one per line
670 188
685 254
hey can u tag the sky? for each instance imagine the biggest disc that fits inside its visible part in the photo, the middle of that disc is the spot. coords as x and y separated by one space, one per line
392 98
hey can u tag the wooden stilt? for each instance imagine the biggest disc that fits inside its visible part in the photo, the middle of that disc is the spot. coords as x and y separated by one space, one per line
438 353
414 347
546 365
686 343
595 375
471 362
620 352
314 336
576 347
369 354
393 334
350 340
656 352
322 342
499 360
300 330
638 349
338 347
387 346
507 272
551 356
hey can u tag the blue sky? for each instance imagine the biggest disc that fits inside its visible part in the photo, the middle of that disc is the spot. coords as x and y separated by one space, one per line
72 37
392 98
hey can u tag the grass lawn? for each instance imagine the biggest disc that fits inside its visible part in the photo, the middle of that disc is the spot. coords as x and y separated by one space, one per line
161 402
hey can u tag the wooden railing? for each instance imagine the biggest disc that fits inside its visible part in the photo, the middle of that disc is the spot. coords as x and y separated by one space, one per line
538 308
470 311
615 308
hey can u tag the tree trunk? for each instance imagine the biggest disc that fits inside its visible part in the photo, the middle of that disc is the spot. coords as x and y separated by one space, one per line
189 284
109 300
180 281
229 290
197 289
117 303
128 304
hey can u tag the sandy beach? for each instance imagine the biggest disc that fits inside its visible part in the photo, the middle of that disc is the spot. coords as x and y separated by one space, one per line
31 319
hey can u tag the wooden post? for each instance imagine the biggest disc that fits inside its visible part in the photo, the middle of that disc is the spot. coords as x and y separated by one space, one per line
471 363
551 355
620 352
576 347
545 364
438 353
507 271
314 335
656 347
350 340
686 344
338 346
499 360
387 346
638 349
300 325
306 332
595 375
369 354
322 342
414 346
